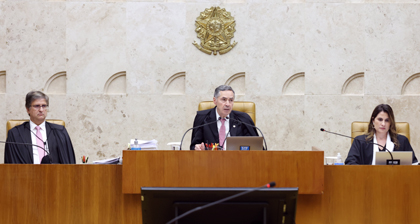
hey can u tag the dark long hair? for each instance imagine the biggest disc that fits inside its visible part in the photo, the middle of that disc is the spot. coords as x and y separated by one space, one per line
392 128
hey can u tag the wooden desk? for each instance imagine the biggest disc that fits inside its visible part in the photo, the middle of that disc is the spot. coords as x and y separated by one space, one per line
303 169
65 194
92 194
364 194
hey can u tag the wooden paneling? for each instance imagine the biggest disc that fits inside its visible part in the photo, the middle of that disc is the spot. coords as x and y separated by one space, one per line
65 194
93 194
364 195
303 169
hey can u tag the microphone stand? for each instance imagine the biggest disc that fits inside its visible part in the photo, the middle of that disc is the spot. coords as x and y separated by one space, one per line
269 185
45 160
199 126
392 157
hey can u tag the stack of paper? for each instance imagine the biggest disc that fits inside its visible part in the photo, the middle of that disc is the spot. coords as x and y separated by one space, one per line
143 144
117 160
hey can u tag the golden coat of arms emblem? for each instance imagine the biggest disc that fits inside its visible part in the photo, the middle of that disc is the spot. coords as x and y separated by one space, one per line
215 28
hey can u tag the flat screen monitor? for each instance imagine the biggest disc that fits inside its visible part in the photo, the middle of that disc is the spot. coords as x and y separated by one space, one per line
404 158
265 206
244 143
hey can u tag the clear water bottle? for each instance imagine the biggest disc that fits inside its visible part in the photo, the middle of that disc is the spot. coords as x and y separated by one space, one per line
339 161
136 145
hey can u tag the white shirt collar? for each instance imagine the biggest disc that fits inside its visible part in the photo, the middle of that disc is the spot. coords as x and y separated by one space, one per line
389 145
33 125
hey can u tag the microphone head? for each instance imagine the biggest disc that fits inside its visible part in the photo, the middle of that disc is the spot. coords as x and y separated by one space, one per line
271 184
46 160
322 129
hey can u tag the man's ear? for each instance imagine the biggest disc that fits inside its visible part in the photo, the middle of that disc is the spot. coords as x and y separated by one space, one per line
214 100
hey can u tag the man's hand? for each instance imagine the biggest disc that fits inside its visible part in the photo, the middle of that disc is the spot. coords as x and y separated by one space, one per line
199 146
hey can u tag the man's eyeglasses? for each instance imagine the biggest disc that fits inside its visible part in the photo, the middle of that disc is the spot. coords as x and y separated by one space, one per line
37 107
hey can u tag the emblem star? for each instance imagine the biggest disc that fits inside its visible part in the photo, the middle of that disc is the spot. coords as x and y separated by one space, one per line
209 36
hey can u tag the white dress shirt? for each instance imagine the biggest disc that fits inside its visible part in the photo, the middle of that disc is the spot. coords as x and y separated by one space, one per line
33 138
389 145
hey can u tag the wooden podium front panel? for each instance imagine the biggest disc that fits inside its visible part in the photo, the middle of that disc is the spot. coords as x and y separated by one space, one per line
303 169
364 195
89 194
52 194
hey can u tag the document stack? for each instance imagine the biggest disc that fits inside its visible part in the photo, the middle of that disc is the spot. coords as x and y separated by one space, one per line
117 160
143 144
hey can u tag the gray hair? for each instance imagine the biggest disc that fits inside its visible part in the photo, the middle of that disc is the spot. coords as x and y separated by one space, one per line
34 95
222 88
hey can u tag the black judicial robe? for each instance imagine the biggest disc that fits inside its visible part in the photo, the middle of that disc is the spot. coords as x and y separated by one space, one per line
58 140
210 133
361 151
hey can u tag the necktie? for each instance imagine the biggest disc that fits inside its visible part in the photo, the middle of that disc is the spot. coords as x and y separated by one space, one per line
39 142
222 132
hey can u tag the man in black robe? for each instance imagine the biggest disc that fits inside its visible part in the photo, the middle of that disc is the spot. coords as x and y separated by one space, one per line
223 99
56 144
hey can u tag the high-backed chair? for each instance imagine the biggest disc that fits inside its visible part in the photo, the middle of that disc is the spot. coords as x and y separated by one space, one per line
242 106
360 128
12 123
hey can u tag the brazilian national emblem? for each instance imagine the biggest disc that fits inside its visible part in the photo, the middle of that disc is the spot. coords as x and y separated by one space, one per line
215 28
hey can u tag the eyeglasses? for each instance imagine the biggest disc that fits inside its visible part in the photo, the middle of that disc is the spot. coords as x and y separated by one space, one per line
37 107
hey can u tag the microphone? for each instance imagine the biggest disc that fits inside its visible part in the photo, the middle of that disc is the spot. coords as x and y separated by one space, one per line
250 125
392 157
269 185
45 160
199 126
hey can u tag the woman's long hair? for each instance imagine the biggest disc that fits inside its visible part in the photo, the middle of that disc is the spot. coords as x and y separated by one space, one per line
392 128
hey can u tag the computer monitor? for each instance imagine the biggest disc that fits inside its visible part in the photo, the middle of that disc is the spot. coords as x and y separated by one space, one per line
400 158
265 206
244 143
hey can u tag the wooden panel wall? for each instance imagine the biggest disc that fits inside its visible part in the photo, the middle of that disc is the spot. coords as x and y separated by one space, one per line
93 194
65 194
303 169
364 195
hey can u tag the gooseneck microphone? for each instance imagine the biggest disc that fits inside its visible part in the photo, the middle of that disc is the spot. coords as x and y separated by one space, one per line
250 125
269 185
45 160
392 157
199 126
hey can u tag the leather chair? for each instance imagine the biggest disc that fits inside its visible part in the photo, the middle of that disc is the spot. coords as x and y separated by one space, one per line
360 128
242 106
12 123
